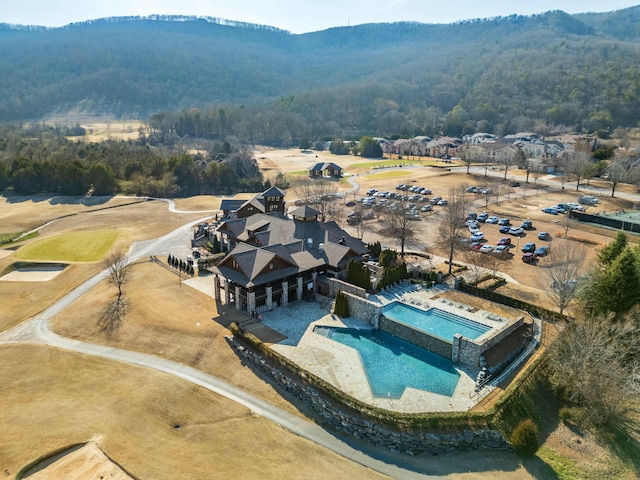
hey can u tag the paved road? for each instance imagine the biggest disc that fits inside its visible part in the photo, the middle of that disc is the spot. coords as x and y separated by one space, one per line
37 331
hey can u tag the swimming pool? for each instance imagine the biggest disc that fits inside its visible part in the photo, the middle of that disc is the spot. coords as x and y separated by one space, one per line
435 322
392 364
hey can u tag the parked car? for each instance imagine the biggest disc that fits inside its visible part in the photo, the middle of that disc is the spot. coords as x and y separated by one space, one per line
435 200
368 215
486 191
476 237
514 184
426 208
425 191
516 231
588 200
544 236
505 229
471 189
526 225
529 258
529 247
576 206
486 248
542 251
442 202
473 228
491 220
472 216
483 217
551 210
504 221
501 249
371 191
504 241
475 245
471 223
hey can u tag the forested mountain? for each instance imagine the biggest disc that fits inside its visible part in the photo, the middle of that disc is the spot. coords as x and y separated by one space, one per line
541 72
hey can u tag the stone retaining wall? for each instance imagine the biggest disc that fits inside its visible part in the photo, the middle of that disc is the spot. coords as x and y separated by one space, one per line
469 351
417 337
336 286
410 443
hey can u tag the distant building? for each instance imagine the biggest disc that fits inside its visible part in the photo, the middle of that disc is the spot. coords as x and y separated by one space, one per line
325 170
271 200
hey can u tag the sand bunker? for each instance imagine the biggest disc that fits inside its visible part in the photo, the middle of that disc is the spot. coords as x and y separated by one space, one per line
35 273
85 463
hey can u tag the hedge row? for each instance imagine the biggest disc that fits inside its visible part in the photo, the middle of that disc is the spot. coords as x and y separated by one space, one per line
510 301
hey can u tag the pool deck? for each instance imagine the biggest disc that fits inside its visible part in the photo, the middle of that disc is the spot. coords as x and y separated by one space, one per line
341 365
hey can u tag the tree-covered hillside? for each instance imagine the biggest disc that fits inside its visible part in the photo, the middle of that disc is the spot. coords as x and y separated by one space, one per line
501 75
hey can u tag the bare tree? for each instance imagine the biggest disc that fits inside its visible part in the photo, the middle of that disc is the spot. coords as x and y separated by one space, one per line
117 266
401 223
579 166
452 224
321 195
563 273
620 171
588 362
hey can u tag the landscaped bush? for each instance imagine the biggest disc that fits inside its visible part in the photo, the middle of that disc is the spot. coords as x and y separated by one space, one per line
524 438
342 305
358 275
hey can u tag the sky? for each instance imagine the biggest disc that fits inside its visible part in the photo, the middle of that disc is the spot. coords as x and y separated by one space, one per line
296 16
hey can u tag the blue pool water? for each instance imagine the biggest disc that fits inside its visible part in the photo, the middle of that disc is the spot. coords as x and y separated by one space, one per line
436 322
392 364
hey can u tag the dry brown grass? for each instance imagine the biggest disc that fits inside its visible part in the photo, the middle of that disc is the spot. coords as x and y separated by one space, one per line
170 320
52 399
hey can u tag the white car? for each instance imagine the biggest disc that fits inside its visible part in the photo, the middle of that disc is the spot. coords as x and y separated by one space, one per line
492 220
501 249
473 228
476 237
486 248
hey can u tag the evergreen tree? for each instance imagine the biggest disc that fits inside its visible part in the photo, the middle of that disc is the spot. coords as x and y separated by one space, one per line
613 249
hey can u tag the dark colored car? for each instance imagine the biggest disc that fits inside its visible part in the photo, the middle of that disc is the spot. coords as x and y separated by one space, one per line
544 236
529 247
529 258
542 251
504 241
504 229
482 217
472 216
504 221
527 225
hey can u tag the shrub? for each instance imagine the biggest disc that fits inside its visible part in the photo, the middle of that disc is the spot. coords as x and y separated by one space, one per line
524 437
573 415
342 305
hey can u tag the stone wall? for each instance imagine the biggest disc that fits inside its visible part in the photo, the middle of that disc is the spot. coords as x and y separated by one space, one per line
363 309
363 428
469 351
336 286
417 337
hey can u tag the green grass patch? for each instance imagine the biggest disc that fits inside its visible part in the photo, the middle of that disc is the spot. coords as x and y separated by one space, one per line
8 238
299 172
387 164
70 247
